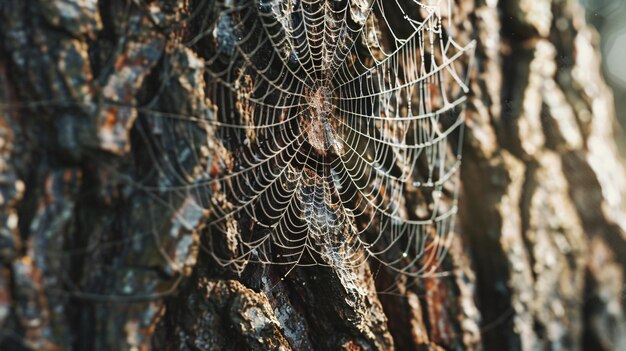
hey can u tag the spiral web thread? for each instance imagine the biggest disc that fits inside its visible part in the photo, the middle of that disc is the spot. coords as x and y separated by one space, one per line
344 119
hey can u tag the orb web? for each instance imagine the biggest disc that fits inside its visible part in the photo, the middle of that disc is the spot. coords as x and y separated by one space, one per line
343 120
334 137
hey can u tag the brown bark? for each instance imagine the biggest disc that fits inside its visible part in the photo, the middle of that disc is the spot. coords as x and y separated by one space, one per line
538 261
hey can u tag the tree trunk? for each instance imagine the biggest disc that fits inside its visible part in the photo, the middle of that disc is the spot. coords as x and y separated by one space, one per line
91 261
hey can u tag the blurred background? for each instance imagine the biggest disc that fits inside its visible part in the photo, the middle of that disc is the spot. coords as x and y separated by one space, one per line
609 17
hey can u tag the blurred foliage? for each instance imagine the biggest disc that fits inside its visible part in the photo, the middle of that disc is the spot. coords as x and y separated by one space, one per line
609 18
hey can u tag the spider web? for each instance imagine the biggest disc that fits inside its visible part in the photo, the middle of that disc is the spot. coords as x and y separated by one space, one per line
336 139
343 121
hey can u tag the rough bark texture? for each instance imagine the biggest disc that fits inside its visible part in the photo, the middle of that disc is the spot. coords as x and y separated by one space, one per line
538 263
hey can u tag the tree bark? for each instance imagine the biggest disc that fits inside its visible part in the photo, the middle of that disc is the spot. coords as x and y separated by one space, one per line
537 263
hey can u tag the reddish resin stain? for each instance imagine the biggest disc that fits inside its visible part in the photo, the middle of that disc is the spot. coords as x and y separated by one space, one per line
111 118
